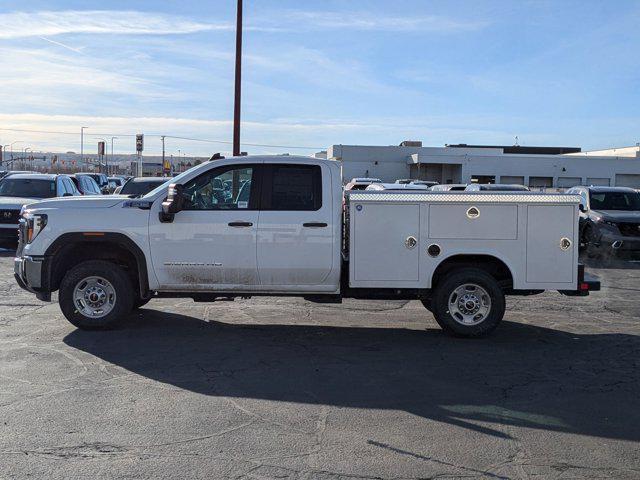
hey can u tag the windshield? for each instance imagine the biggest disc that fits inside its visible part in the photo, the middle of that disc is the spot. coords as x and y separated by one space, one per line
27 187
615 201
139 188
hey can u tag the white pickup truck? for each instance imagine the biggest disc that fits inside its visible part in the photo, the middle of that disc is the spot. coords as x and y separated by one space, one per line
282 225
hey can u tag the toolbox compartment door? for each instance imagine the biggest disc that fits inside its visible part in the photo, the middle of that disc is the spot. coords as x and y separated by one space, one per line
473 222
547 261
378 248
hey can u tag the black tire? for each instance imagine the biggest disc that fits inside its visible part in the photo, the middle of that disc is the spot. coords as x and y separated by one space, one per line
445 290
118 279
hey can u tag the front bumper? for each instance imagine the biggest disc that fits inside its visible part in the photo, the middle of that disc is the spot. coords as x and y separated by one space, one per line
614 242
29 273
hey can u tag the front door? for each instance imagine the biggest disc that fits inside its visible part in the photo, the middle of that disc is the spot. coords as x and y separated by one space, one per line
296 229
211 244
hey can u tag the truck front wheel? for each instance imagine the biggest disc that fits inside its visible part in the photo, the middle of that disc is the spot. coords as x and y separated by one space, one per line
96 295
468 303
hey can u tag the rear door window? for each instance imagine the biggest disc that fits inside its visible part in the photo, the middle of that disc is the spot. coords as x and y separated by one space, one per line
69 186
62 188
292 187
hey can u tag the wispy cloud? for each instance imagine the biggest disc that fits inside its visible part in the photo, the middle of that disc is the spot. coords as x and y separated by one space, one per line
51 23
63 45
358 20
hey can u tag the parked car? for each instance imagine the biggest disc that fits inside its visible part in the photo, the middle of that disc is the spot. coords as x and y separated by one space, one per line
13 172
495 187
427 183
138 186
609 219
405 181
449 187
361 183
100 179
115 182
21 189
397 187
460 258
86 185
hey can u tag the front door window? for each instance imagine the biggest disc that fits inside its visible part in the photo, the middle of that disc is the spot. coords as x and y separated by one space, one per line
221 189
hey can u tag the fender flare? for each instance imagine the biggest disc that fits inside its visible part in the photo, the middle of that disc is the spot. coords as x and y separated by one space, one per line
122 240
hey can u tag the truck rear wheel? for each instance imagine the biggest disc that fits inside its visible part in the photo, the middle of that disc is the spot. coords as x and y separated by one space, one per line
468 303
96 295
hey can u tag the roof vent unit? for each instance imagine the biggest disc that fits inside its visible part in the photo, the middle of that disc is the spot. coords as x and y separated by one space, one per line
411 143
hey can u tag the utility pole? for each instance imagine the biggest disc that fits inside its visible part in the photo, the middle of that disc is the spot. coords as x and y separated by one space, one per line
236 105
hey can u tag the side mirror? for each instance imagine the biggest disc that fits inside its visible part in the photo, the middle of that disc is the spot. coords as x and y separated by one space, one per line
582 208
173 204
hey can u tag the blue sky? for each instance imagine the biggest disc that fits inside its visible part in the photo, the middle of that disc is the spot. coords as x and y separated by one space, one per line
317 73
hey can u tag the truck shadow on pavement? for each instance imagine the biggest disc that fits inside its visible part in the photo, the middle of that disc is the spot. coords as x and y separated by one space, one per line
522 376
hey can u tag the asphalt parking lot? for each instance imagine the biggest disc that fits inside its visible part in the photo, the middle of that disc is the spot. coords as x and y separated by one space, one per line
280 388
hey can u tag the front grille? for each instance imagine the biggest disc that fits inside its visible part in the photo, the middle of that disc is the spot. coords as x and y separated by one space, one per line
9 216
629 229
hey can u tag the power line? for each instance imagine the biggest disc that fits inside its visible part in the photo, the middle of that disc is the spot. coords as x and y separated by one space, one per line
226 142
204 140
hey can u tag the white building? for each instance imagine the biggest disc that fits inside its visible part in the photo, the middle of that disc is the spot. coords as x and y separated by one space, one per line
532 166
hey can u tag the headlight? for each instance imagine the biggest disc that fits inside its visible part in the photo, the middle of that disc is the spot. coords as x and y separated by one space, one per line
35 224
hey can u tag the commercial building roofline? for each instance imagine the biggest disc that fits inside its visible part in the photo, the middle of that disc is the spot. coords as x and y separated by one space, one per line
521 149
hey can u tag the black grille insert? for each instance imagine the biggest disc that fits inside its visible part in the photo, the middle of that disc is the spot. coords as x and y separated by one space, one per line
629 229
9 216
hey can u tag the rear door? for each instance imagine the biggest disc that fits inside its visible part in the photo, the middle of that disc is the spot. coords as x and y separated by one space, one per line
295 238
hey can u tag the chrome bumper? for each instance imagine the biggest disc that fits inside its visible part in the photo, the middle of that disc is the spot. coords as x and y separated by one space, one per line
28 272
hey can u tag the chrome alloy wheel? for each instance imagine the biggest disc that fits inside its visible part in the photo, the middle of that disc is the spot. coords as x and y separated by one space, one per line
469 304
94 297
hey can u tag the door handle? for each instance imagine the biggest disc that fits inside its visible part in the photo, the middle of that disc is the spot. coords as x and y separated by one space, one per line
240 224
314 224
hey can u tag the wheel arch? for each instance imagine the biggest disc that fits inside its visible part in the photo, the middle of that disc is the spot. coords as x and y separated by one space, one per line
491 264
70 249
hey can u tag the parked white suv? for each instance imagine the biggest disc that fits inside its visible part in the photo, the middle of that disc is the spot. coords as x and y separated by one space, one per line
20 189
276 227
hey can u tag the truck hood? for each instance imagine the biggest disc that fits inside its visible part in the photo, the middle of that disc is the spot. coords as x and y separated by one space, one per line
632 216
93 201
16 202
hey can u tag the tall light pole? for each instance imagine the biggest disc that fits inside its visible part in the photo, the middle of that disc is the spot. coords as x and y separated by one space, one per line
11 147
82 146
24 155
237 90
162 138
111 153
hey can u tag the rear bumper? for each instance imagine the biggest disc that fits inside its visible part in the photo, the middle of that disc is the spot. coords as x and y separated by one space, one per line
586 283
